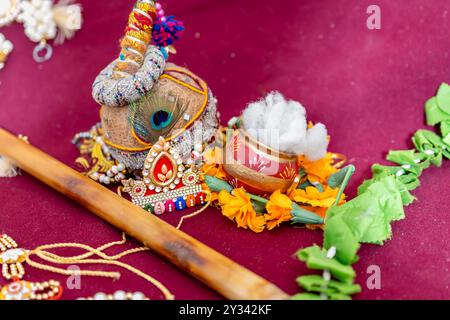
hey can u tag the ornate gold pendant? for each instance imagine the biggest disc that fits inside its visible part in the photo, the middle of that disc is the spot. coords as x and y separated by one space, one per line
24 290
167 184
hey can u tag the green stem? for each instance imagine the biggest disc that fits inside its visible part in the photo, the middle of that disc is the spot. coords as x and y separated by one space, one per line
348 175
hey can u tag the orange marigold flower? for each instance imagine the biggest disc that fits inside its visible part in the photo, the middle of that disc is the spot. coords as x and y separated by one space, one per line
320 170
237 206
213 163
278 210
313 197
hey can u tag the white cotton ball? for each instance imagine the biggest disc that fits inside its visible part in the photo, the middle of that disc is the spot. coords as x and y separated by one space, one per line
317 142
282 125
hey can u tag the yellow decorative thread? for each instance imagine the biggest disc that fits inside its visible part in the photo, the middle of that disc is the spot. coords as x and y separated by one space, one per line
196 213
137 37
43 253
140 35
127 42
145 6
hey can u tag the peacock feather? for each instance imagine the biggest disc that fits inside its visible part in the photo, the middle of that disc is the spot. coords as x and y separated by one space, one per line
155 116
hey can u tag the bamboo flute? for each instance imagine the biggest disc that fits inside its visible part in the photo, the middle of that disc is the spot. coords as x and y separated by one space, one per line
207 265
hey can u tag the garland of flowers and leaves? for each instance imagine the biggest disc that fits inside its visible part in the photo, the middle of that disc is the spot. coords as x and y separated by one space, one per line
317 187
367 218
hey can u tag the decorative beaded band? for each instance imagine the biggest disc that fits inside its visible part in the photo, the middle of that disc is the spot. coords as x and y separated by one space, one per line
118 295
120 92
177 198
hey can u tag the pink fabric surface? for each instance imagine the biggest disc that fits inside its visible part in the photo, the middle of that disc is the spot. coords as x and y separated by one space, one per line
367 86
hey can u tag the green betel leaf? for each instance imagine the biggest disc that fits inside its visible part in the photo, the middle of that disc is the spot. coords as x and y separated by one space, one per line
445 128
409 158
443 98
316 258
446 140
433 113
316 283
339 235
429 144
216 184
407 197
368 216
307 296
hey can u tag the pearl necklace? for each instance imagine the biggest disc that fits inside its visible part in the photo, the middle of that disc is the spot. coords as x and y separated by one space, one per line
9 10
118 295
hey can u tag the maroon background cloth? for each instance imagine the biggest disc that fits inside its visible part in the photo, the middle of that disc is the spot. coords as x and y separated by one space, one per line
367 86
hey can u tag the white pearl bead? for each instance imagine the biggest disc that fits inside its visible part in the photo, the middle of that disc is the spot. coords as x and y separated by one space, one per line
120 295
120 167
114 170
138 296
100 296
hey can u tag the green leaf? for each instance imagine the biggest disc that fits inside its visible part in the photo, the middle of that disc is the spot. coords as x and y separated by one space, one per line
434 114
338 234
445 128
431 145
316 258
443 98
409 158
336 179
216 184
316 283
307 296
368 216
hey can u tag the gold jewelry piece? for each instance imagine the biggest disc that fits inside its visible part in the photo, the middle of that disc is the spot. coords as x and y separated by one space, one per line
118 295
11 258
24 290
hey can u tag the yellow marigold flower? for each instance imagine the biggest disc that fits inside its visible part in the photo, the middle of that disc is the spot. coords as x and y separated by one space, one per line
213 163
278 210
320 170
238 207
313 197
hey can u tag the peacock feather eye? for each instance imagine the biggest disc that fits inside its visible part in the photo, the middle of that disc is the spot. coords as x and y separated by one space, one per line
155 115
161 119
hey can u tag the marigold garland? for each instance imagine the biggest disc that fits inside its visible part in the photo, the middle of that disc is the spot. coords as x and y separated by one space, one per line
306 201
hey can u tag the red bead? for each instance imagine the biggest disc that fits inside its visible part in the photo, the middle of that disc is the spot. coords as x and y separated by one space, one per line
200 198
170 206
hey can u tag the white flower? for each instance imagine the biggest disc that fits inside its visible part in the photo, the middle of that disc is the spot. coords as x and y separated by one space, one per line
38 21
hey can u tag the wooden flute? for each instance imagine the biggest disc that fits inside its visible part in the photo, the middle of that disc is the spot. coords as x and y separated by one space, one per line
207 265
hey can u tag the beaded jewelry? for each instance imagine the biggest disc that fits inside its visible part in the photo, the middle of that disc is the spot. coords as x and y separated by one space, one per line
44 21
118 295
11 258
167 184
24 290
9 10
